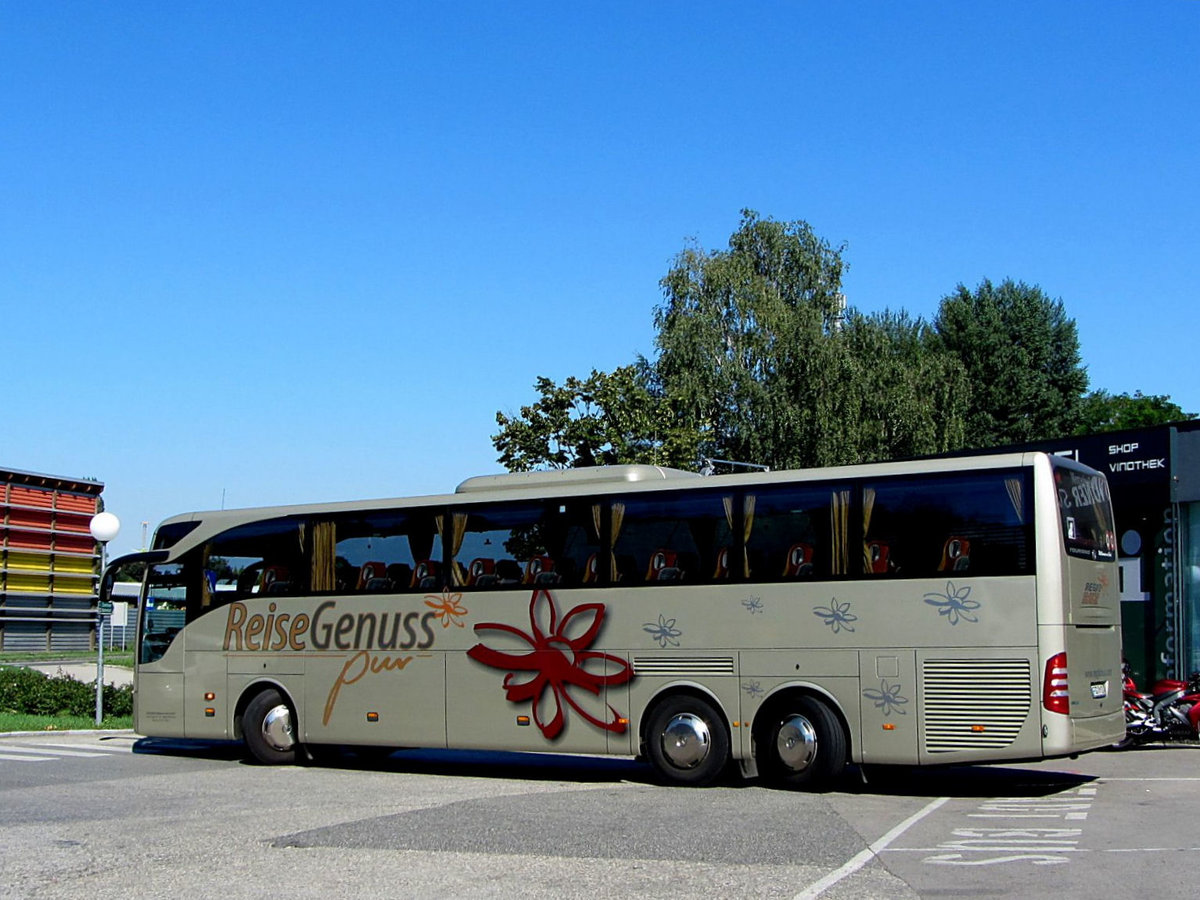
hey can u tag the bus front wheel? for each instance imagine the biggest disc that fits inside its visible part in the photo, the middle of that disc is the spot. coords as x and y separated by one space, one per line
687 742
801 745
268 727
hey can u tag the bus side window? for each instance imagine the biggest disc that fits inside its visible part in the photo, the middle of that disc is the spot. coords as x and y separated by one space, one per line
972 523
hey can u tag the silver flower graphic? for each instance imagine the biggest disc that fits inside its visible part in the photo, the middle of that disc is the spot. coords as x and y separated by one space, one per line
663 631
954 604
887 698
836 615
753 604
752 687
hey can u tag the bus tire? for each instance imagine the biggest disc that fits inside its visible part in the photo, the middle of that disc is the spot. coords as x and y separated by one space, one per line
687 741
801 744
269 729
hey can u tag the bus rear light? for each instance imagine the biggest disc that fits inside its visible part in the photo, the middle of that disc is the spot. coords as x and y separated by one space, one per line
372 717
1055 694
210 712
522 720
889 726
978 729
209 697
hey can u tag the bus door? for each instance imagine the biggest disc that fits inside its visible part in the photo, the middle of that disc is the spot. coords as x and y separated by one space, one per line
159 686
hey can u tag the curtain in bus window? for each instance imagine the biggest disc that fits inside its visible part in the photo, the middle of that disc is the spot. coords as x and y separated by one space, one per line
458 529
324 555
618 518
868 508
727 504
1016 491
839 510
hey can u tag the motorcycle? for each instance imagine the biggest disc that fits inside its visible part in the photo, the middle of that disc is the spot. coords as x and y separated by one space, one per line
1170 712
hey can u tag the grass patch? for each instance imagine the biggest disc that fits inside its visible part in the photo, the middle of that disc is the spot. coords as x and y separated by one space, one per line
26 722
33 701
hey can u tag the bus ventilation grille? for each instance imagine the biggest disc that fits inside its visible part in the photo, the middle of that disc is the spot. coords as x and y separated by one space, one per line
974 704
683 666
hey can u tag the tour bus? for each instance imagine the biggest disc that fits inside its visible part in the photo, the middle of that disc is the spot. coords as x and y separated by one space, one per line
914 613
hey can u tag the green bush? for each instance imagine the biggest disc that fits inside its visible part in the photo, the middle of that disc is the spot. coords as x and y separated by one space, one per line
30 692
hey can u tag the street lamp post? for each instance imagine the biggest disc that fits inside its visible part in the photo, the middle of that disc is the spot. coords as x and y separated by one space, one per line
104 527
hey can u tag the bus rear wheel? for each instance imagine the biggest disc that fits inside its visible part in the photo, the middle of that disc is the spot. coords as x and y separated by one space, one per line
268 727
687 742
801 745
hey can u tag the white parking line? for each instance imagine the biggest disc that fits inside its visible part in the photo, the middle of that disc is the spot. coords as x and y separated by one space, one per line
98 748
861 858
48 748
15 758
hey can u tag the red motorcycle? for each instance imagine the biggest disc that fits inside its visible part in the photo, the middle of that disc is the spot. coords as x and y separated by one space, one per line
1170 712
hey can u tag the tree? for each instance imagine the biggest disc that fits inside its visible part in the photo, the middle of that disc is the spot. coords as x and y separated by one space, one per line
757 354
605 419
1102 411
741 329
913 394
1021 356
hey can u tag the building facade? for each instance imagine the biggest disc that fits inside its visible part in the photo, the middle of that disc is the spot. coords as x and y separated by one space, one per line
1154 476
49 562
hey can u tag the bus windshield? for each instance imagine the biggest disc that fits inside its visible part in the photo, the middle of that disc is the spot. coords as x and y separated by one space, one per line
1085 509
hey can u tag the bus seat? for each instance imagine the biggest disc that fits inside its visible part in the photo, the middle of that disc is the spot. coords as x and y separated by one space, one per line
799 561
273 580
664 566
956 555
540 570
481 572
425 574
721 573
878 557
372 576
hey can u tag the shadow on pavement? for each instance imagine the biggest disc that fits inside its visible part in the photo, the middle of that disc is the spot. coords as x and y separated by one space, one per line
936 781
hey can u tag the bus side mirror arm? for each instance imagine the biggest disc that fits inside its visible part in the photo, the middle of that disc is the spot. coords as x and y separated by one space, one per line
150 557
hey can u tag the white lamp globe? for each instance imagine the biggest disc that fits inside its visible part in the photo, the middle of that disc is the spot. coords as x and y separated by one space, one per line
104 527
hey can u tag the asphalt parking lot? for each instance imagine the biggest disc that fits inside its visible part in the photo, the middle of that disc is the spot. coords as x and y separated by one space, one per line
114 816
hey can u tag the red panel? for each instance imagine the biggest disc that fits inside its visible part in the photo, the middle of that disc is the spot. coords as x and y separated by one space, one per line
28 518
26 496
77 503
70 522
30 540
73 544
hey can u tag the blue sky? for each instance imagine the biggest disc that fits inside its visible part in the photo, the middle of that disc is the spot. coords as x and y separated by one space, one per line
277 253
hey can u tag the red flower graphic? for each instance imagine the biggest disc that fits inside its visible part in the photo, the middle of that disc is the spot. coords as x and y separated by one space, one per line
557 663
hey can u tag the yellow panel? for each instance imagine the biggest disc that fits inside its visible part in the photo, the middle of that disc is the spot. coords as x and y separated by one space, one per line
30 561
28 582
69 587
73 565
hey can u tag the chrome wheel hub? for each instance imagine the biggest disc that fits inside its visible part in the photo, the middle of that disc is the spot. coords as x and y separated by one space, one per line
796 743
686 741
277 728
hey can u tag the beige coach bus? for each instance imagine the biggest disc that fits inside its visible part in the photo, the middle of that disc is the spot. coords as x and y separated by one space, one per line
917 613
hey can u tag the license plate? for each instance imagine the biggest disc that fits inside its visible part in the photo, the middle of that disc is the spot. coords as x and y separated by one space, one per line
1099 690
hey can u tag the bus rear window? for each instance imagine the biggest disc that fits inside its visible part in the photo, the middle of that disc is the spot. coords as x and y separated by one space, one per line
1085 509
